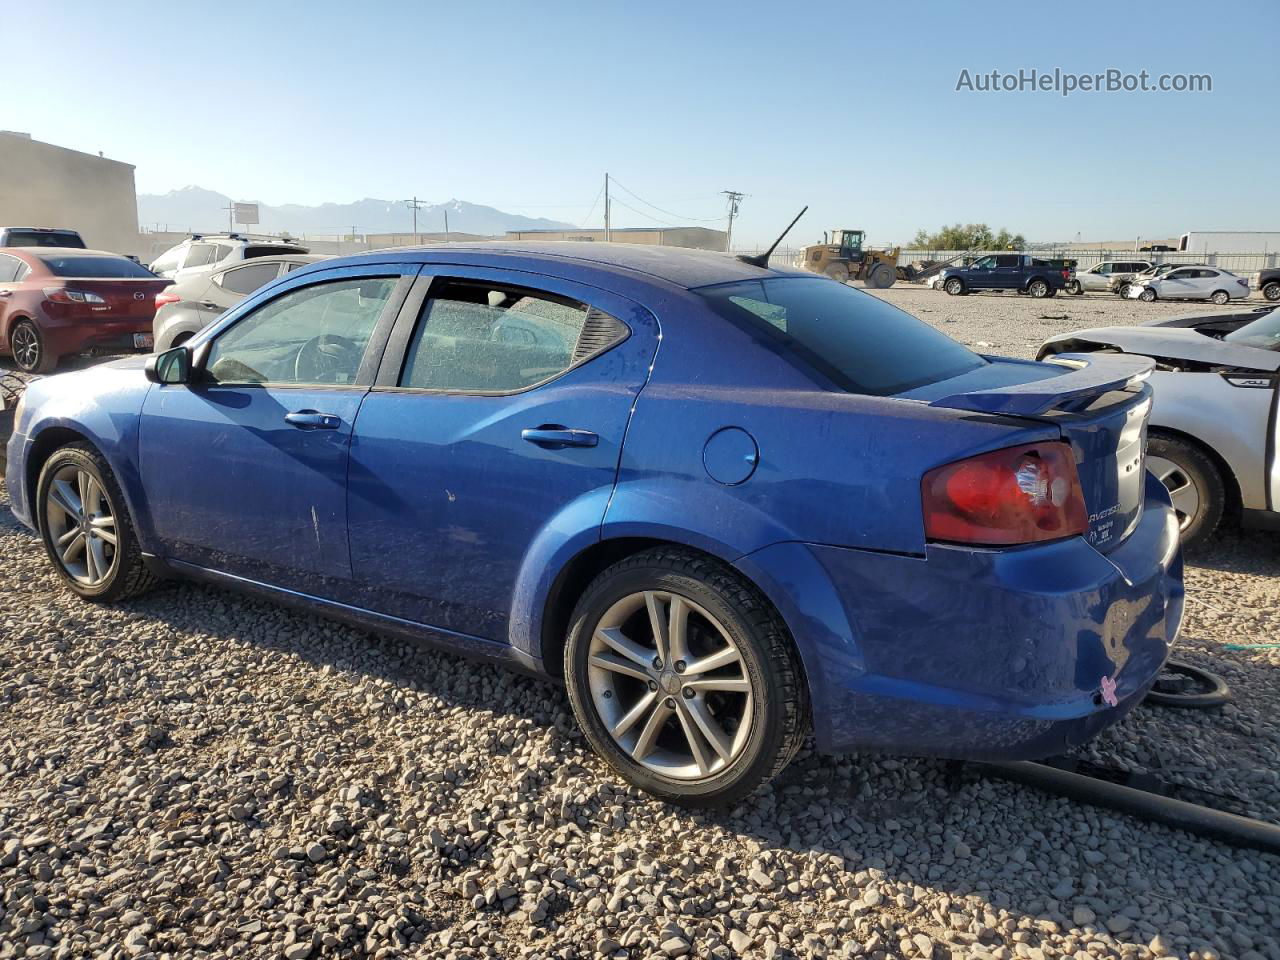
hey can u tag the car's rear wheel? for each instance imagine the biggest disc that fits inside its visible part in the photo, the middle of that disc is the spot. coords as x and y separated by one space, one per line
29 350
1038 289
683 678
881 277
86 529
1147 295
1195 486
837 272
954 286
1272 290
1220 297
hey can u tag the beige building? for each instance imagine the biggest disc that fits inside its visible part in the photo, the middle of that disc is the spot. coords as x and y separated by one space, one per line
700 238
48 186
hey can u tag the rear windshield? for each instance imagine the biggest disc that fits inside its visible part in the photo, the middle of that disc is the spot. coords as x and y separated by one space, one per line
856 341
96 267
45 238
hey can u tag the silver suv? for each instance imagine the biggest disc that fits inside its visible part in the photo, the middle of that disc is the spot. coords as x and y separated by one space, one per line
207 251
200 297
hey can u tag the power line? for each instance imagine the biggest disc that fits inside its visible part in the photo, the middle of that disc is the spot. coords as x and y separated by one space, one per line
587 218
665 223
669 213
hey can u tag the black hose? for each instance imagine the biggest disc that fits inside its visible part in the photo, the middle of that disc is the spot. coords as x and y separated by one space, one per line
1191 817
1213 691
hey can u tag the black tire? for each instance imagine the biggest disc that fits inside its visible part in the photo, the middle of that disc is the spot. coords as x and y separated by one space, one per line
779 699
837 272
954 286
1124 291
127 576
1038 288
28 349
1220 297
1075 289
1271 290
882 277
1147 295
1184 685
1193 466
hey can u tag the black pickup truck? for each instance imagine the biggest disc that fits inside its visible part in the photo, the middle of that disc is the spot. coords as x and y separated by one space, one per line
1010 271
1267 282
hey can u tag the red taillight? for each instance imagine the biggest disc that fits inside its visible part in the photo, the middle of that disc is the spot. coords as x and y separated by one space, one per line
162 298
1018 495
63 295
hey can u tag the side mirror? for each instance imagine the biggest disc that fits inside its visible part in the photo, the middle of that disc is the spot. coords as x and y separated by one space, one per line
172 366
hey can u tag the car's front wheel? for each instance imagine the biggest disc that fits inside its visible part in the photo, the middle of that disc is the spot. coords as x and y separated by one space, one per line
1147 295
683 678
1075 289
86 529
954 286
1195 486
1124 291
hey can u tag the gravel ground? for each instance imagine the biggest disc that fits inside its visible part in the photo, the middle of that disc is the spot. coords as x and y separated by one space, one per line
197 774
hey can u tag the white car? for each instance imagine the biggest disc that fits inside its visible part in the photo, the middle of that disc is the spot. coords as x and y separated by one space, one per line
1098 277
1191 283
209 251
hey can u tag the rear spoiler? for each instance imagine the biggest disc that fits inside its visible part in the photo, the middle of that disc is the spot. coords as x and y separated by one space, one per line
1087 375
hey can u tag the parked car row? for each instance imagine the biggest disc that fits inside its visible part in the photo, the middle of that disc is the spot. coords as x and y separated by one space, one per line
58 298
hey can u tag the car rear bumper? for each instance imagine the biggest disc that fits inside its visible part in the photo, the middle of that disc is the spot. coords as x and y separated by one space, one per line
113 335
979 654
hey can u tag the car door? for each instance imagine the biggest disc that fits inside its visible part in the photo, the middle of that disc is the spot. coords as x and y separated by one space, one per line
1178 284
1096 278
500 408
245 466
981 274
9 268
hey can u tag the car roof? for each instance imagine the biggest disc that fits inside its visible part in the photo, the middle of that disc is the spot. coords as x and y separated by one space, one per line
43 251
681 266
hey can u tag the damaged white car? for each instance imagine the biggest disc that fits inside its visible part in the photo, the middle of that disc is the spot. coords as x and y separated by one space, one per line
1214 429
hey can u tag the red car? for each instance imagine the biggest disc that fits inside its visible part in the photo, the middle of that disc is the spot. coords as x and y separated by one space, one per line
56 301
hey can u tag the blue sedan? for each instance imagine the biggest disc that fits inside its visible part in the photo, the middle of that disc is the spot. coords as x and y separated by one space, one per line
727 504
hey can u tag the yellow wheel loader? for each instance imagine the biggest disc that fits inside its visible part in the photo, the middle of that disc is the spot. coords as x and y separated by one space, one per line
843 258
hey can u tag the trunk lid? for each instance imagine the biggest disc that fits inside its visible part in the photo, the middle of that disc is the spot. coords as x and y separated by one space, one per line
125 298
1100 403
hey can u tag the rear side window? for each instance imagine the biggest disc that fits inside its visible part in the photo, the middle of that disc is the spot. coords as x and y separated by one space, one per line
9 268
852 339
96 267
1009 261
476 337
245 280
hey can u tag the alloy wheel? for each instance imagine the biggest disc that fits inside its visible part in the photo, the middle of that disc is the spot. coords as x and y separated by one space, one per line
1182 489
82 525
26 346
670 685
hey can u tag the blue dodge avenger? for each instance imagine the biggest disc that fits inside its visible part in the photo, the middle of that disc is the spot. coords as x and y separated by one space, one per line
728 504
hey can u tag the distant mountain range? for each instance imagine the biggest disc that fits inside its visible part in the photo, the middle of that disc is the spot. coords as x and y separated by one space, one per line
194 208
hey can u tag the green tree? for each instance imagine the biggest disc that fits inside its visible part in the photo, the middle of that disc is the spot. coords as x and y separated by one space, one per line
969 236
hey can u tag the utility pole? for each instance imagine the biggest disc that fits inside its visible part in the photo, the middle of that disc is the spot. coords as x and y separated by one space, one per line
607 235
446 224
413 205
735 198
231 224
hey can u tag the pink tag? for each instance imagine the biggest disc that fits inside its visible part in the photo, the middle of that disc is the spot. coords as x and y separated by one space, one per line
1109 692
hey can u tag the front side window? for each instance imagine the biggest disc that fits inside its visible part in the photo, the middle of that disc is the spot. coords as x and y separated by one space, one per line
852 339
245 280
986 263
312 335
1182 274
478 337
169 261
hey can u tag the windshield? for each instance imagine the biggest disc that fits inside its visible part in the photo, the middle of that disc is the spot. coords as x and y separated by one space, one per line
106 268
854 340
44 238
1263 333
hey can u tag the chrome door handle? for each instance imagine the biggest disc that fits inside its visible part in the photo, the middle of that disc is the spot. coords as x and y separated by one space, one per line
312 420
6 293
555 437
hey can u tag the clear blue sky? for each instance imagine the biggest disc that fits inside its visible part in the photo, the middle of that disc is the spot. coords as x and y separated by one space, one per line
849 108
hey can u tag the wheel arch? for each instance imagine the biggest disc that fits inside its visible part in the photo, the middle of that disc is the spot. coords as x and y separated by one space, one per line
44 445
1230 482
